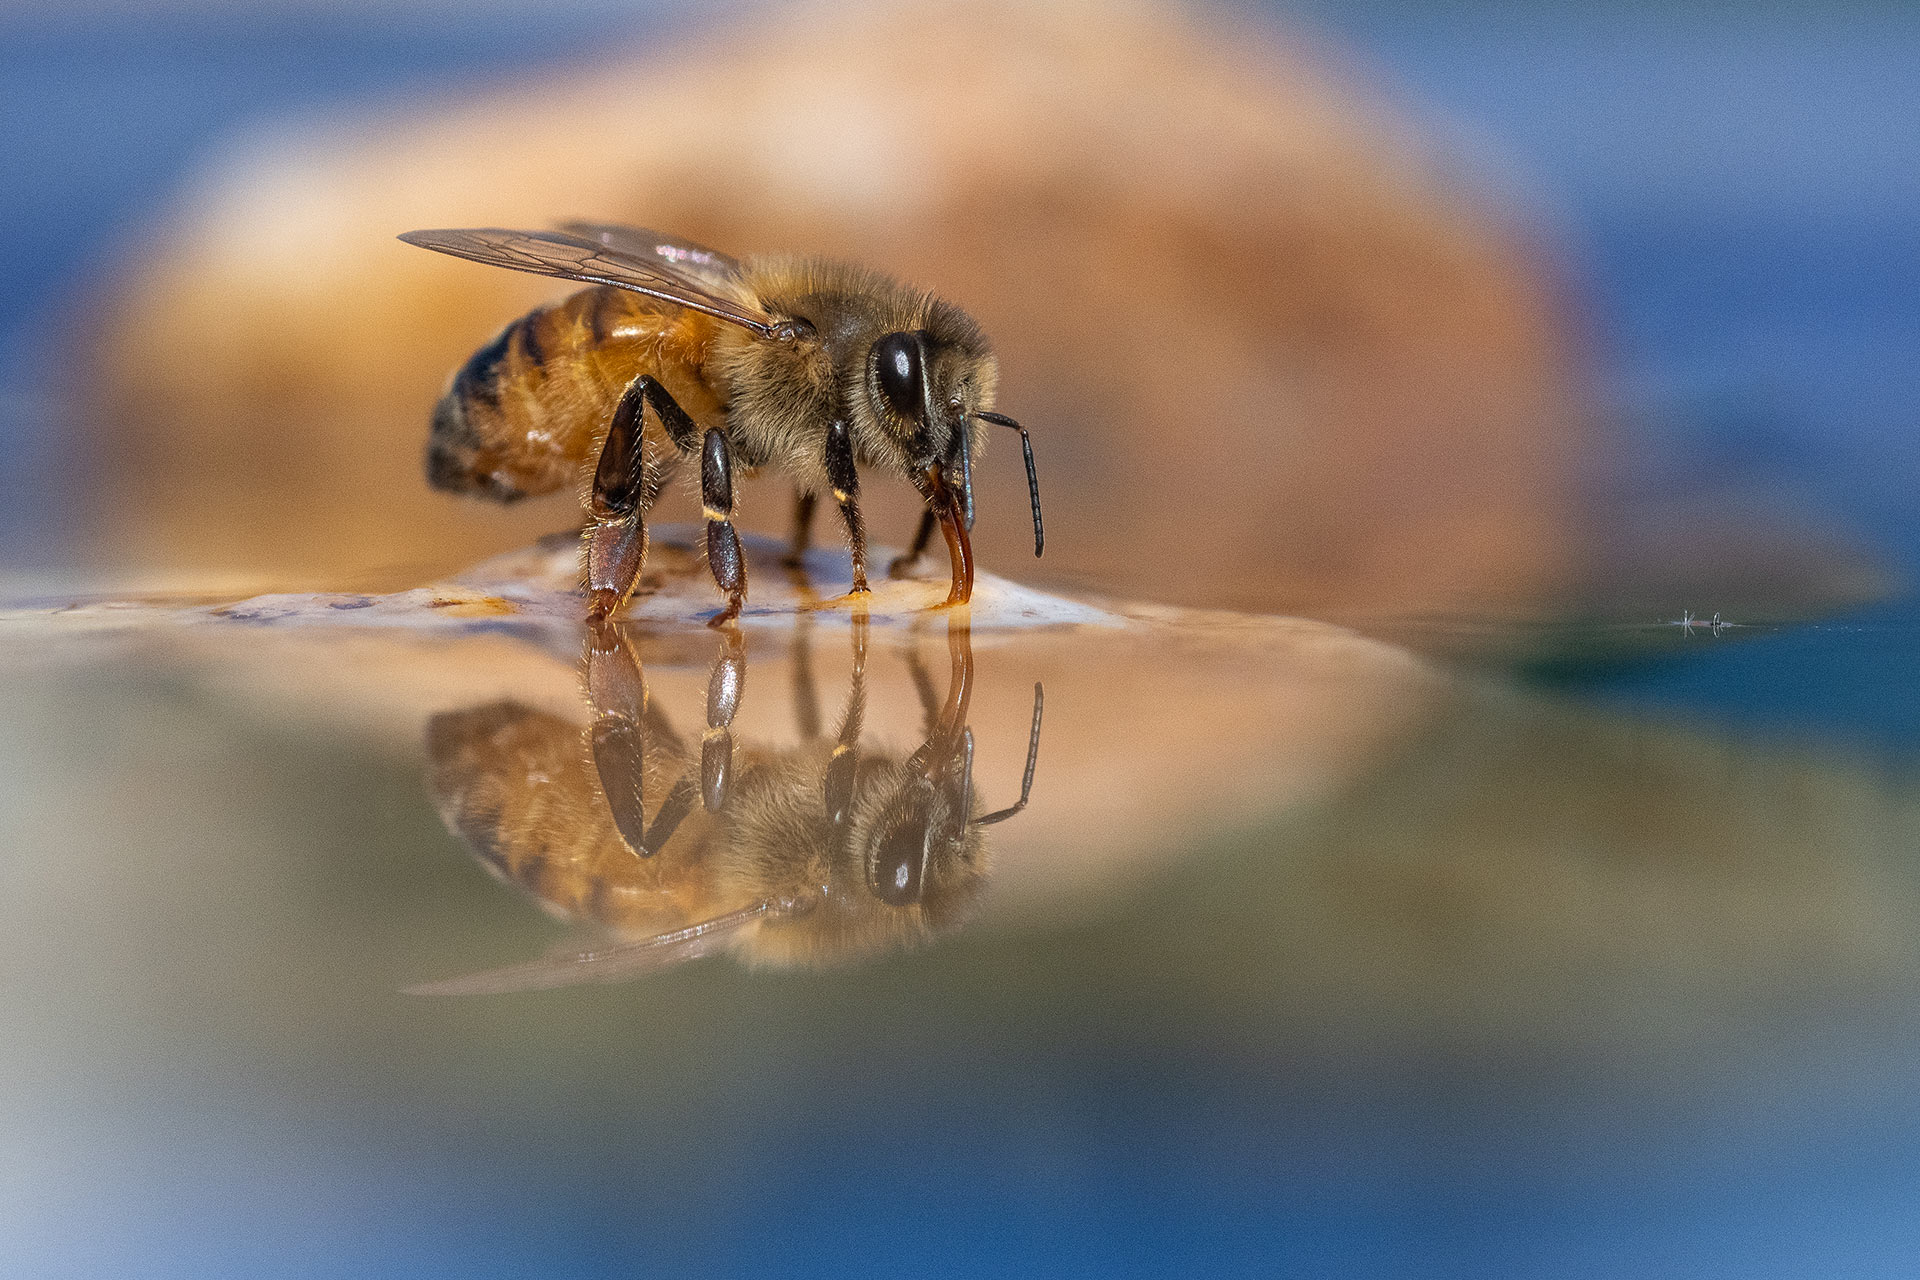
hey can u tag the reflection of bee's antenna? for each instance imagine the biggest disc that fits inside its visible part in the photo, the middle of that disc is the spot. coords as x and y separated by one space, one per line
1033 758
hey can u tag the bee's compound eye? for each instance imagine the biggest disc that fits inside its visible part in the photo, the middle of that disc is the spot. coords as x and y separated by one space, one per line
895 871
897 361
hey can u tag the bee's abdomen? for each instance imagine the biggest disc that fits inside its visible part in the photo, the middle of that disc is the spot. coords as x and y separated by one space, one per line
520 416
453 455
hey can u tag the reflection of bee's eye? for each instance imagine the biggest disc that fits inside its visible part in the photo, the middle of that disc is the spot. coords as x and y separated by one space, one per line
894 872
898 358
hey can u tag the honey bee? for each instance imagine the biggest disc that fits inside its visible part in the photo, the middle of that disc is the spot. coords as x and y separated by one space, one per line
800 855
809 367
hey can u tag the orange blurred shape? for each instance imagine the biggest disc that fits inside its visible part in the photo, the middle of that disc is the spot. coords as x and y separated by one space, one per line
1273 352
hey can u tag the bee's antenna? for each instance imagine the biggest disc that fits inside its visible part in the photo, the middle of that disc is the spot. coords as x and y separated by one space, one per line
1033 758
1033 480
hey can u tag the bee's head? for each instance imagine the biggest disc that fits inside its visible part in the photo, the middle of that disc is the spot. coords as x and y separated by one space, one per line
929 393
922 388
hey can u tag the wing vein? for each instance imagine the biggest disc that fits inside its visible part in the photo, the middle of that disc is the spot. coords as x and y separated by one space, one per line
673 271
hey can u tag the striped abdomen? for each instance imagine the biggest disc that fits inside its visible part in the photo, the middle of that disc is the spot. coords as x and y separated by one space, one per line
516 785
528 411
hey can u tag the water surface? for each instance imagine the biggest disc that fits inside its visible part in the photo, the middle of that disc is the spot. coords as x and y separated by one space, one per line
1305 951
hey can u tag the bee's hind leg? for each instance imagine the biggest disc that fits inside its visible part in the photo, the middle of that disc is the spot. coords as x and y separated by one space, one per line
614 543
615 550
624 488
723 544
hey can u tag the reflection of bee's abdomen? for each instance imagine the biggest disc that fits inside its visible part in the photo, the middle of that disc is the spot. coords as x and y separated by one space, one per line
516 784
526 411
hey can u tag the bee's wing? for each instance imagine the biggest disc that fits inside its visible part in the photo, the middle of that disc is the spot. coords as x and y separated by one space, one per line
685 283
716 270
613 963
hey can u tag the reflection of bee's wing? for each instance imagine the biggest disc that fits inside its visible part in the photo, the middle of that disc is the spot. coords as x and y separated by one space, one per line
613 963
686 282
712 268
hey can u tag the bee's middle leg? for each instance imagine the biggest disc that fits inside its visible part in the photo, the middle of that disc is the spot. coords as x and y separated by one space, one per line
803 503
845 480
723 544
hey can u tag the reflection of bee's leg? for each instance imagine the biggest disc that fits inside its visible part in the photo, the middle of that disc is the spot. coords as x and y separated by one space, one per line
723 544
846 491
846 756
627 725
802 527
623 489
673 809
806 695
723 700
618 691
902 565
923 686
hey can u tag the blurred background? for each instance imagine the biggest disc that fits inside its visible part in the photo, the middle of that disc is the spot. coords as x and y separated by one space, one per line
1563 293
1505 334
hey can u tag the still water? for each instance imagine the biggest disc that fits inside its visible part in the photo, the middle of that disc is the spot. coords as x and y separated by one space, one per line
432 934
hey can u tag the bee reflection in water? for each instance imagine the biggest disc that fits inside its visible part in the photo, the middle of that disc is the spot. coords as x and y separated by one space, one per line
799 855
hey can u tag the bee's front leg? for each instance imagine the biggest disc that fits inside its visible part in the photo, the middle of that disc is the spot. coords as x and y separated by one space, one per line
845 480
723 544
902 565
